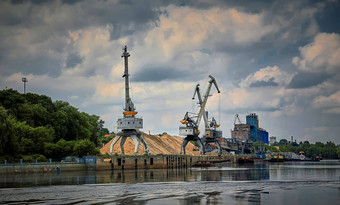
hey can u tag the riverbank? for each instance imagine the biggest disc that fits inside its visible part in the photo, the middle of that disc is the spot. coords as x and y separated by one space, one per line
225 183
119 162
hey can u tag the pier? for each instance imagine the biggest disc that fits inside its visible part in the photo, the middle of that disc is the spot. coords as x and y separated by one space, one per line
119 162
158 161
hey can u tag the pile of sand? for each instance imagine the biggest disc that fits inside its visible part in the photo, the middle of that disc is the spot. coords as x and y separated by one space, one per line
165 144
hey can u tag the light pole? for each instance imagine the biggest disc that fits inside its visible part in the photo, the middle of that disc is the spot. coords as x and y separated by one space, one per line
24 80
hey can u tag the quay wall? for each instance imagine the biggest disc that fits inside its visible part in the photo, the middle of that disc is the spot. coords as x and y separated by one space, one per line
112 162
156 161
44 168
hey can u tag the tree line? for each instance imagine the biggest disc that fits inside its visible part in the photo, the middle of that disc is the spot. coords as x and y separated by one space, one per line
326 150
32 126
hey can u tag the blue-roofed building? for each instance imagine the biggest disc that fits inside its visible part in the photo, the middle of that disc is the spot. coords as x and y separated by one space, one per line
253 121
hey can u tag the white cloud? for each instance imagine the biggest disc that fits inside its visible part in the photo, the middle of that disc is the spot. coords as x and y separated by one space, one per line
268 74
185 28
322 55
330 103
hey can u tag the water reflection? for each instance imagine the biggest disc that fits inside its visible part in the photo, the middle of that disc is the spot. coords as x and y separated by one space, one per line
264 183
230 173
236 172
222 172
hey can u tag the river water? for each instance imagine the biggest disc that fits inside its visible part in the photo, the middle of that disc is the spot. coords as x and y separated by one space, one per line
226 183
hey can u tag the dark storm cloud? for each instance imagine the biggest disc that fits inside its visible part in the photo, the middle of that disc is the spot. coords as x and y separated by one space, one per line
329 16
45 27
296 26
263 83
73 59
155 74
126 18
306 80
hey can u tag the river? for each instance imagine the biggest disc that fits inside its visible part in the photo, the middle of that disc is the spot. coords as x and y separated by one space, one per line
226 183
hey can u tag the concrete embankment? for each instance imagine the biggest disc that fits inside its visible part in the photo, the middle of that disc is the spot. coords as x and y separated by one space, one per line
113 162
44 168
157 161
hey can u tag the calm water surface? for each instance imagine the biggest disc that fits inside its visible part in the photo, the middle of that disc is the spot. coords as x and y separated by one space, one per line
227 183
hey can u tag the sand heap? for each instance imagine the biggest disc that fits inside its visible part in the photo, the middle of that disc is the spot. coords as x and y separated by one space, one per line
165 144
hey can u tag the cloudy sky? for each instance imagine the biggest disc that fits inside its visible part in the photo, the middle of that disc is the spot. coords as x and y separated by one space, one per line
279 59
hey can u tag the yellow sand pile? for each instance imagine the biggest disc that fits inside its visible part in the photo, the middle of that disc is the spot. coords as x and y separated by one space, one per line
165 144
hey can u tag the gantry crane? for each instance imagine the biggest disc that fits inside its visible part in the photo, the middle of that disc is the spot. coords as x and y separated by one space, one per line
190 128
211 132
129 124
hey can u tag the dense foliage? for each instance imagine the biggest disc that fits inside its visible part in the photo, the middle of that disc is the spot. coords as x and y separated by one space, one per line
31 124
319 149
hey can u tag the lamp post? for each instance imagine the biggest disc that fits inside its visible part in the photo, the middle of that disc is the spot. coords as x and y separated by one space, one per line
24 80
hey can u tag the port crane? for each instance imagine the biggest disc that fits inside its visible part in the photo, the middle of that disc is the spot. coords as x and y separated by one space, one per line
190 128
191 131
129 124
211 132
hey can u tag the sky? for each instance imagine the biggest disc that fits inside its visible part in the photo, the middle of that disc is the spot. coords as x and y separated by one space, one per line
279 59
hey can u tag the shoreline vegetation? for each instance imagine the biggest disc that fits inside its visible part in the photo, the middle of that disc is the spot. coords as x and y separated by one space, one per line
33 127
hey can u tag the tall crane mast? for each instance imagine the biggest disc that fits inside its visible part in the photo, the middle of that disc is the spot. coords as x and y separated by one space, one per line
129 124
129 106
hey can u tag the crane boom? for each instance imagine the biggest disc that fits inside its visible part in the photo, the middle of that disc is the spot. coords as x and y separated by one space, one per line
204 102
205 118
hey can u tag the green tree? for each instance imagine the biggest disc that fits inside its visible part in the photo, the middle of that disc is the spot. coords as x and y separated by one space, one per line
33 124
33 114
8 141
10 99
31 139
266 147
283 142
60 149
105 140
85 147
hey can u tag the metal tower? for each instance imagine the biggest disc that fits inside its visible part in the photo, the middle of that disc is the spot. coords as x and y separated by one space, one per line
129 124
24 80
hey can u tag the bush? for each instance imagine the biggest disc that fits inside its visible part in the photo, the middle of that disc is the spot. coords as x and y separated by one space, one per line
32 158
27 159
40 158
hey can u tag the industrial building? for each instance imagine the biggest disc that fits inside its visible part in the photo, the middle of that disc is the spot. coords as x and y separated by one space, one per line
250 131
264 136
240 132
253 121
